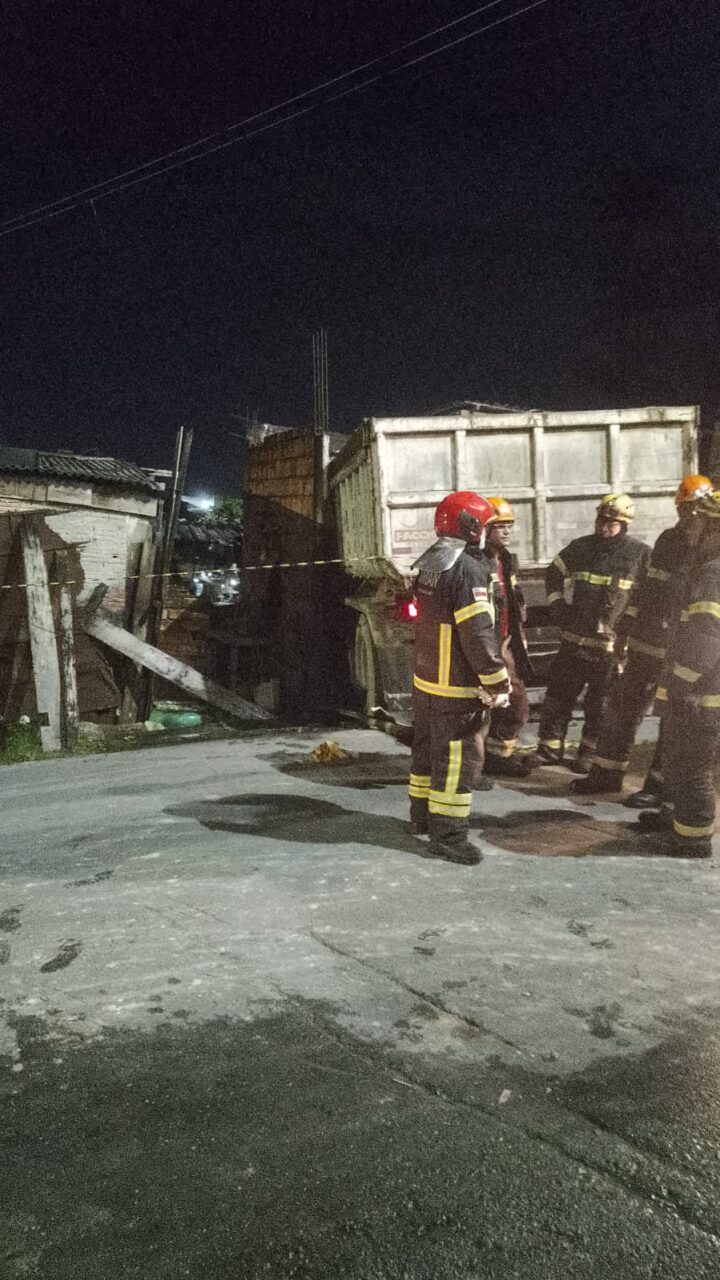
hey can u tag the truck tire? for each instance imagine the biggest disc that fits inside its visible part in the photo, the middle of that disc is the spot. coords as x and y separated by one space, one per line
364 665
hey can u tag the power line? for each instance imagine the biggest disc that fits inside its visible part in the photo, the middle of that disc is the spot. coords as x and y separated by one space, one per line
314 106
114 185
607 22
409 44
258 115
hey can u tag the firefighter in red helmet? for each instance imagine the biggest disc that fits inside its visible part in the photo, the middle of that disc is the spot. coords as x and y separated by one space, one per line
458 674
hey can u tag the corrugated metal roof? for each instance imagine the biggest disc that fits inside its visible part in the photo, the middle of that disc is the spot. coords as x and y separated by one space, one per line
208 534
73 466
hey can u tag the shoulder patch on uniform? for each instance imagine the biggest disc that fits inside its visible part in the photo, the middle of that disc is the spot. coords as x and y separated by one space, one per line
480 593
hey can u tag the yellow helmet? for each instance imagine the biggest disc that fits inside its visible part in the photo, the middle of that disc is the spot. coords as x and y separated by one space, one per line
504 513
691 488
617 506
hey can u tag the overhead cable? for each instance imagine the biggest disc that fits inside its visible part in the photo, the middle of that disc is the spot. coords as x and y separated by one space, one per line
219 141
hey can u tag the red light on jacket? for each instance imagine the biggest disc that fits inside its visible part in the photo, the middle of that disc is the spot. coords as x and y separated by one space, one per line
406 608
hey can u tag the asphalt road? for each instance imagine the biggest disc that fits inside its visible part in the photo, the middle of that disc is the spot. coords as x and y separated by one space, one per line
246 1031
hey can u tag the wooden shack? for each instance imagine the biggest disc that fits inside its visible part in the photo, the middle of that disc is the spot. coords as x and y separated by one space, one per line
94 521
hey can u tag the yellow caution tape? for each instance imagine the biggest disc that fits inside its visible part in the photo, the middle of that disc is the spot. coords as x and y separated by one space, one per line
180 573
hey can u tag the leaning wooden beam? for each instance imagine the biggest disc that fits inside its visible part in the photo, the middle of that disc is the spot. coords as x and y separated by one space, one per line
161 664
43 643
71 712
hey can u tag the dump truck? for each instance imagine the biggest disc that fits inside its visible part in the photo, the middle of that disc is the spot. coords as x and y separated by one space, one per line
552 467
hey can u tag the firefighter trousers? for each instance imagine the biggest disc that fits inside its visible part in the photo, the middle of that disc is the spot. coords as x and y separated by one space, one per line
445 761
629 699
691 737
506 722
654 781
571 672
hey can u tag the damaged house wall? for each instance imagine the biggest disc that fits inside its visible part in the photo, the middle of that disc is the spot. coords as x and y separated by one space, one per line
98 693
102 514
110 529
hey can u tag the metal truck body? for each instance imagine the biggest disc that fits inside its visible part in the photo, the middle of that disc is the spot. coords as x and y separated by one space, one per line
552 467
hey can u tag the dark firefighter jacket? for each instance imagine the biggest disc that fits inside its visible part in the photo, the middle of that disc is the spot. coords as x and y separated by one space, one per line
692 667
455 649
603 572
656 595
515 600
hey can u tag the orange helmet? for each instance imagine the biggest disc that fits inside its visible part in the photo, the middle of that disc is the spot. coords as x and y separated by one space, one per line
691 488
504 513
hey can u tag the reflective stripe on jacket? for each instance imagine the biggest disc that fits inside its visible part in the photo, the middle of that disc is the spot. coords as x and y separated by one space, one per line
456 653
655 597
603 573
692 668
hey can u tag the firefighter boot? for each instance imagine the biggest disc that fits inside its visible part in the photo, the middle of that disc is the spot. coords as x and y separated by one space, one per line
550 752
583 761
418 816
656 819
644 799
666 842
679 848
598 782
506 767
460 851
650 795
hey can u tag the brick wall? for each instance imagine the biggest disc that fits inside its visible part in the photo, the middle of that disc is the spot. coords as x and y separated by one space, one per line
184 627
183 635
281 469
297 613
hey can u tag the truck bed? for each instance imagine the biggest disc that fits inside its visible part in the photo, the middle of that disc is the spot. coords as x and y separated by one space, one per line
552 467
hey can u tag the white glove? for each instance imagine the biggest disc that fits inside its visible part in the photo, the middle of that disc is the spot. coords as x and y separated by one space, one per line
494 699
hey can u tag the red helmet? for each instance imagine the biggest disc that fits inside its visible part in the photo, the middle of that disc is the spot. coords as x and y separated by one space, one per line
463 515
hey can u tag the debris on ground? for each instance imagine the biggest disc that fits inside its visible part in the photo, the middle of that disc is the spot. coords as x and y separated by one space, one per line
505 1096
174 715
329 752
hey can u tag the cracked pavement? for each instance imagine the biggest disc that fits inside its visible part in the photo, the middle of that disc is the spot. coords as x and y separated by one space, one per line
245 1030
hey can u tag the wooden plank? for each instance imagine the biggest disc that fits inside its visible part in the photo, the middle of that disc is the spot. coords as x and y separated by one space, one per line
161 664
71 709
135 697
43 642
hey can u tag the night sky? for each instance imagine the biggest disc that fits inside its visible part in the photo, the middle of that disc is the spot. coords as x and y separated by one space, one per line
529 218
